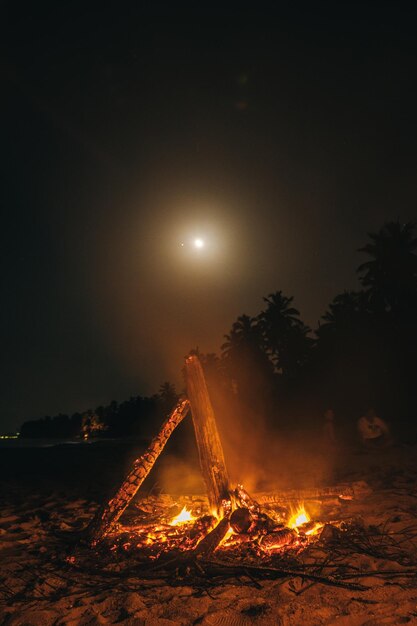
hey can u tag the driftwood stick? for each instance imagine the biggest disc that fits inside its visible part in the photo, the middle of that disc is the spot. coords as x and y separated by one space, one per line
108 514
282 572
212 463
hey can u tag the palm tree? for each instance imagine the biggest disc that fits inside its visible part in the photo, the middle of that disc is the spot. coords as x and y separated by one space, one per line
349 333
347 311
245 361
285 336
390 277
243 336
167 396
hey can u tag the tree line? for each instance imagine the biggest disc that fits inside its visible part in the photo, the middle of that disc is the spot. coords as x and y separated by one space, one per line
362 355
136 417
273 367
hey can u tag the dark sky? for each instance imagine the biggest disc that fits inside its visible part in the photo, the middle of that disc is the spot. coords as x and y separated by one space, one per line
281 136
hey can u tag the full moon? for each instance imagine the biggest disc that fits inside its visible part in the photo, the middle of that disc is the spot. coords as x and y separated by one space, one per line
198 243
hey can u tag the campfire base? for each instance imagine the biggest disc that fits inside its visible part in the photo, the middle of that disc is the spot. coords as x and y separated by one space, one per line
249 531
180 559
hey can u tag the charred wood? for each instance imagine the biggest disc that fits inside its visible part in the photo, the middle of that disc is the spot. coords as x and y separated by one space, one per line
264 520
108 514
277 540
210 542
246 500
356 490
241 520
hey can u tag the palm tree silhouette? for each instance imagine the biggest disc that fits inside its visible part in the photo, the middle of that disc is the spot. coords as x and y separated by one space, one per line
347 311
245 361
390 277
243 336
285 336
168 396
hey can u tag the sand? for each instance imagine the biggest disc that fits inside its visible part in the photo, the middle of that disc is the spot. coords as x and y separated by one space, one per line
40 587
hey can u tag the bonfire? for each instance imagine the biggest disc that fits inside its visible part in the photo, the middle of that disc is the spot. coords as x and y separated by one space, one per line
228 528
199 558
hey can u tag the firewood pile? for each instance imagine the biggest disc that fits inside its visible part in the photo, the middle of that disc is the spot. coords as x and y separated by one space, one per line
160 526
204 553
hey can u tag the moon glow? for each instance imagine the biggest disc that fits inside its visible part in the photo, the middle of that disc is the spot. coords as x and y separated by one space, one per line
198 243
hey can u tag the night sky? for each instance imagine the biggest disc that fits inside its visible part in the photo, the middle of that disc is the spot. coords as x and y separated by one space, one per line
281 137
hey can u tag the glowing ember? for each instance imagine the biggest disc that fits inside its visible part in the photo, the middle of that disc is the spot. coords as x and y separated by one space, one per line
299 518
227 536
317 526
182 518
193 529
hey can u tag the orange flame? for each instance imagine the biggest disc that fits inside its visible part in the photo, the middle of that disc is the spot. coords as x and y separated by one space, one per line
182 518
227 536
313 531
298 518
301 517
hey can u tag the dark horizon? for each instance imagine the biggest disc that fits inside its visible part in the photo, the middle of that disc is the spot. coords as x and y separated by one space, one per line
281 137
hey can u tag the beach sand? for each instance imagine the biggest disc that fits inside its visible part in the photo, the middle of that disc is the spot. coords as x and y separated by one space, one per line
40 587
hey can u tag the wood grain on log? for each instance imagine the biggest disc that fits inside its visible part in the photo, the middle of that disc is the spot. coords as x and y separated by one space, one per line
212 463
276 540
345 492
109 514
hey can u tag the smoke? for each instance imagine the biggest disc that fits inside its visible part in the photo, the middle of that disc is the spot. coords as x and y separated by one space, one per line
151 304
263 452
179 476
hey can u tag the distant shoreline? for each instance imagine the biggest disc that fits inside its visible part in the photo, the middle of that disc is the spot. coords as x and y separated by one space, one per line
41 442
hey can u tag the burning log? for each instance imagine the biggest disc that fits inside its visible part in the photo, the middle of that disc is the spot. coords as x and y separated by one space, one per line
210 542
277 540
246 500
263 519
108 515
241 520
356 490
212 463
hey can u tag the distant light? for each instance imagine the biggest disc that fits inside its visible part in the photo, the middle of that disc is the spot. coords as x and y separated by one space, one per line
198 243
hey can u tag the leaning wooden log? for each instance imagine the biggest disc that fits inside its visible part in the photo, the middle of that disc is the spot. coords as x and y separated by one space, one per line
108 515
212 463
